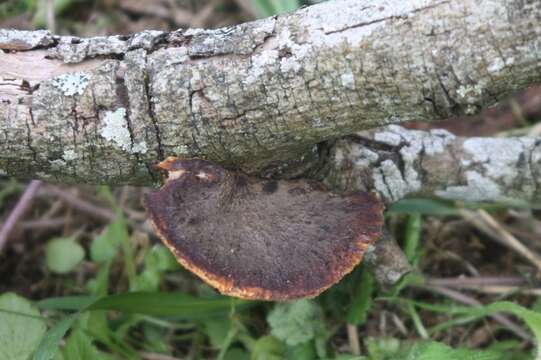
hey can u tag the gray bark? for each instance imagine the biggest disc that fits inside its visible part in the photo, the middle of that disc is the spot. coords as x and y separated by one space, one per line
397 162
258 96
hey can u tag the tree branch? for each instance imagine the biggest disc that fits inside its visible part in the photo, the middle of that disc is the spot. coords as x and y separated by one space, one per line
257 96
397 162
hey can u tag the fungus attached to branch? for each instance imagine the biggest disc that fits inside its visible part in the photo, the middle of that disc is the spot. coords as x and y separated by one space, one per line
261 239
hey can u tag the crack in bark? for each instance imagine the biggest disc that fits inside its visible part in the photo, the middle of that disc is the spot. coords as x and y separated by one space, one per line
153 119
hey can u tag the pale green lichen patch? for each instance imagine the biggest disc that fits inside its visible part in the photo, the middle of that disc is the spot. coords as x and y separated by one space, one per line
72 83
116 131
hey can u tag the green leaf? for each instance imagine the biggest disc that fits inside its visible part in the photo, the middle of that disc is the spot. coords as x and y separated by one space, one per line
21 327
62 255
362 299
296 322
268 348
265 8
159 258
423 206
148 280
412 238
304 351
167 304
66 303
435 350
236 354
148 303
531 318
49 344
79 346
217 329
382 348
100 284
105 246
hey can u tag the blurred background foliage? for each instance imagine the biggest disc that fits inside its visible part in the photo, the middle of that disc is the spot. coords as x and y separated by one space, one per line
83 276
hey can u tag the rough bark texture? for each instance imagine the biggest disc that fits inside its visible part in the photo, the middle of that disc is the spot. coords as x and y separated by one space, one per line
397 162
258 96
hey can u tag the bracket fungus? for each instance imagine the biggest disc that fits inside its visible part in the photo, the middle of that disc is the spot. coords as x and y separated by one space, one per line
261 239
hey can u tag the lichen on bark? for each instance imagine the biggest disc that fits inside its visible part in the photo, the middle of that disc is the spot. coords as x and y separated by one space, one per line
258 96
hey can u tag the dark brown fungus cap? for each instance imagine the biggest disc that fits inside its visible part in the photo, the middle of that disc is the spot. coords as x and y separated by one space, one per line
259 239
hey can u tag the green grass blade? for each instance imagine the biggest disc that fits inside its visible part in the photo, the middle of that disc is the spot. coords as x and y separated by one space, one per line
75 303
48 346
165 304
412 238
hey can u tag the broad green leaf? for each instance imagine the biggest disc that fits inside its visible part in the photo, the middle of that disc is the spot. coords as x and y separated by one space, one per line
268 348
362 299
296 322
304 351
435 350
21 327
161 259
79 346
48 346
236 354
217 329
382 348
105 246
62 255
147 280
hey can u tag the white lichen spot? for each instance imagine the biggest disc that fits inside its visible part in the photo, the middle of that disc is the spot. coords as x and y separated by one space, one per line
3 172
140 148
470 93
69 155
388 138
181 149
290 64
116 131
193 31
478 188
362 157
348 80
496 65
260 62
71 84
317 123
57 164
393 276
498 157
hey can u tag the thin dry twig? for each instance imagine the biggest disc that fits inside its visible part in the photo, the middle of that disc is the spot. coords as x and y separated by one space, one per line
487 284
18 211
486 223
247 6
467 300
50 17
76 202
353 338
202 17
